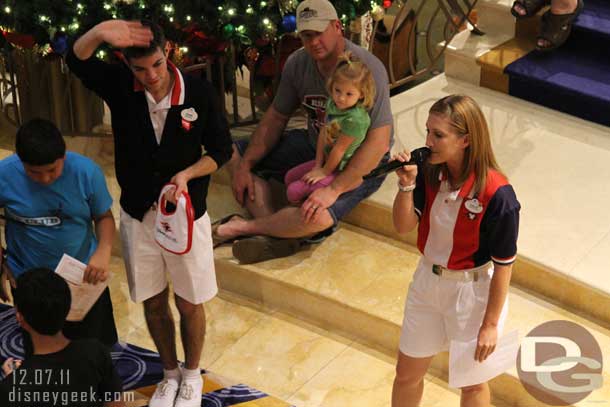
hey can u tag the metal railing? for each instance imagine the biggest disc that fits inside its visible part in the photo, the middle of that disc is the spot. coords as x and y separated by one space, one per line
441 21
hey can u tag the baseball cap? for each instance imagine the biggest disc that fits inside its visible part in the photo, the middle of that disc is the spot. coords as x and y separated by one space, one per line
315 15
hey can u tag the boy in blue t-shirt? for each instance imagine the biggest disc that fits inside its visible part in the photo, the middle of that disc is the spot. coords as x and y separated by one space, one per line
52 201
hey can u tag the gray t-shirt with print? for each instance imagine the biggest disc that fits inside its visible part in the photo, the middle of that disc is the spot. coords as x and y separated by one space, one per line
302 84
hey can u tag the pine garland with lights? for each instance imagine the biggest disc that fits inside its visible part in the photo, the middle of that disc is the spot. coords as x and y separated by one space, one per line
198 29
208 25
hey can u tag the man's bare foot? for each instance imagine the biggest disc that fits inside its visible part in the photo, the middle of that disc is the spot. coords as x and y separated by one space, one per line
222 234
233 228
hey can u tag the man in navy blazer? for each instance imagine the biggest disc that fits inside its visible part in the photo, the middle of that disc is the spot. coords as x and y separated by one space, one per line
160 120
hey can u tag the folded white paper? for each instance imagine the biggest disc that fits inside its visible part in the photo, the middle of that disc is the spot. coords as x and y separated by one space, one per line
71 270
84 295
464 370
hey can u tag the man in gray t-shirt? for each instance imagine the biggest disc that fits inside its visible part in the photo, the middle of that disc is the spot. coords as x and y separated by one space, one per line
303 85
271 152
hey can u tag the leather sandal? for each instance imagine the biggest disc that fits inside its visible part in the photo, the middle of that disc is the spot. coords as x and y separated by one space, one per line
261 248
531 7
220 240
556 28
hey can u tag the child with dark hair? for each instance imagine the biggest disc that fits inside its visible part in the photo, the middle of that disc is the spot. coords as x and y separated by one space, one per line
60 372
43 302
39 143
55 203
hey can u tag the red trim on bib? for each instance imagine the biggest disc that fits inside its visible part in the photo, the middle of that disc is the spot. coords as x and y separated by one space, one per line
190 218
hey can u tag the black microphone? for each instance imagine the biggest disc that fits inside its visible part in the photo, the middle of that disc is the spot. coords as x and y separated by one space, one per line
418 156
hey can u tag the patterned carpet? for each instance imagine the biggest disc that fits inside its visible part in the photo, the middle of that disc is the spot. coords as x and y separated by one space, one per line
140 369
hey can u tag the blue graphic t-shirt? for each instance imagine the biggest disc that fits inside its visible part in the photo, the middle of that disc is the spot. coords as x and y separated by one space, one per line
44 222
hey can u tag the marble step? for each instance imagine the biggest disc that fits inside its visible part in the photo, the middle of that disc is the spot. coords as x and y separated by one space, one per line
306 365
493 62
355 284
279 355
481 60
564 268
462 53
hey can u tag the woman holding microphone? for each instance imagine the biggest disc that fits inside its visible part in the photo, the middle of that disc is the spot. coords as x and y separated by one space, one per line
467 216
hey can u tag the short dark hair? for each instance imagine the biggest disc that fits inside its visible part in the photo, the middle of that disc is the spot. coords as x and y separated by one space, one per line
39 142
158 42
43 299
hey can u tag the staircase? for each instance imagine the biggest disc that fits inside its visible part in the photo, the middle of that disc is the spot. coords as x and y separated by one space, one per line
574 79
354 284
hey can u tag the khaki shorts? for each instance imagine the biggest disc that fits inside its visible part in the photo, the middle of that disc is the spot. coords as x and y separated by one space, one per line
439 310
192 274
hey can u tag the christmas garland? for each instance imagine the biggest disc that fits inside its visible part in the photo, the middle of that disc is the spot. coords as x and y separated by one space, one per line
197 27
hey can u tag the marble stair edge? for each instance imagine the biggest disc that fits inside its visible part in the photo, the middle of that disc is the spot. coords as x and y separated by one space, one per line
375 214
462 53
283 285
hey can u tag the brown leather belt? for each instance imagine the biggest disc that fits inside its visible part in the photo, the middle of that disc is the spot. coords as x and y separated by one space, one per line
460 275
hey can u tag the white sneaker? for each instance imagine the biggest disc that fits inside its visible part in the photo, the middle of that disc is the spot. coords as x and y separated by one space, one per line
190 392
165 394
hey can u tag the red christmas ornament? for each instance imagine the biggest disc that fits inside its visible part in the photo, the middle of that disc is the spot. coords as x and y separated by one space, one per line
21 40
387 3
251 55
201 44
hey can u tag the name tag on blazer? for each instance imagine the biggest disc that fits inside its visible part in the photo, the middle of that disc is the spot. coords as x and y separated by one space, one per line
174 228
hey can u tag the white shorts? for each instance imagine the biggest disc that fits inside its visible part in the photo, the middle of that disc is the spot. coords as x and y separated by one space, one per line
193 275
439 310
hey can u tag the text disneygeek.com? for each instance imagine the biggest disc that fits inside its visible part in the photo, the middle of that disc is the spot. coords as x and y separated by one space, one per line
67 398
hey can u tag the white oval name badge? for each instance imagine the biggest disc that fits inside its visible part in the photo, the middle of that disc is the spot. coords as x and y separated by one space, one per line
190 115
473 205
